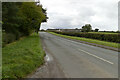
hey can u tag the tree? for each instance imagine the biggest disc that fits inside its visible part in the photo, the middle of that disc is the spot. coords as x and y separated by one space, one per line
96 30
10 17
118 31
87 28
34 15
21 19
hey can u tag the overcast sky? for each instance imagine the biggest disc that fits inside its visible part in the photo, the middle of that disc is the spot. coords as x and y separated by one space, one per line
102 14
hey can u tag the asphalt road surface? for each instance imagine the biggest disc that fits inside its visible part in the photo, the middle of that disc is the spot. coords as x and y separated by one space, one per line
78 60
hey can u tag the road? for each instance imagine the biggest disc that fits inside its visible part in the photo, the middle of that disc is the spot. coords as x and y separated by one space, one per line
78 60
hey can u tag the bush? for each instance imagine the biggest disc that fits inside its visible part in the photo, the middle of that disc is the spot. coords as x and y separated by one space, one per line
10 37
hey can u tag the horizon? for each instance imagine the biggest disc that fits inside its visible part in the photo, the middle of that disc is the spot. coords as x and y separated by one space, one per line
74 14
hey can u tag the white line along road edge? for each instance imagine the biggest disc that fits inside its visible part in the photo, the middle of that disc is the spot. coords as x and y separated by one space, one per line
97 57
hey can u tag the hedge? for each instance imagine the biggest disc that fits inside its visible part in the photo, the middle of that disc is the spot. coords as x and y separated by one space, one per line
102 37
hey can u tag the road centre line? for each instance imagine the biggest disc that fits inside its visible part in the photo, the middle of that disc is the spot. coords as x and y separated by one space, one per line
96 56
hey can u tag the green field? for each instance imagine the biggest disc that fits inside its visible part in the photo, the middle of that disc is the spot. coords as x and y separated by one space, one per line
22 57
110 44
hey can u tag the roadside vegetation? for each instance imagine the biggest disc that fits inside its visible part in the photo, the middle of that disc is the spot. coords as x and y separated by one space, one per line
21 49
105 43
97 36
22 57
21 19
104 32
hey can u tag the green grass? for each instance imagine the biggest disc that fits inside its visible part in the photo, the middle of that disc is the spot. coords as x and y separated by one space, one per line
22 57
103 32
110 44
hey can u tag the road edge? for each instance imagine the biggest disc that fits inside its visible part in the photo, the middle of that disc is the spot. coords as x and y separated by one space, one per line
93 44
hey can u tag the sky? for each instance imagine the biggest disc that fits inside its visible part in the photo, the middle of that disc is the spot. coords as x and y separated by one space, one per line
71 14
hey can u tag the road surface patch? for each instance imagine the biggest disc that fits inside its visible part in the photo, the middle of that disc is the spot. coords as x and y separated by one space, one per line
96 56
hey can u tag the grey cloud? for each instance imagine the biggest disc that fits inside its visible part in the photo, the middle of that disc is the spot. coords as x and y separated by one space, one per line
100 14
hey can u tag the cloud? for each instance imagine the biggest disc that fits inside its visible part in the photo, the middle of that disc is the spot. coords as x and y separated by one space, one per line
102 14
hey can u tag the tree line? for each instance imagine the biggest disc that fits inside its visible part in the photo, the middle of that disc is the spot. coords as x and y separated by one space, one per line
21 19
88 28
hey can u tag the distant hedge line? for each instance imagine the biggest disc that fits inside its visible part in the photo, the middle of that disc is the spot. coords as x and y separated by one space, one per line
103 37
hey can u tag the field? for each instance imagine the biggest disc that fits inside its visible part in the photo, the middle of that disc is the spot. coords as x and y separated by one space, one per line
105 43
22 57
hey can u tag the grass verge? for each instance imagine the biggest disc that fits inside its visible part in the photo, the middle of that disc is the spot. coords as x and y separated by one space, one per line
110 44
22 57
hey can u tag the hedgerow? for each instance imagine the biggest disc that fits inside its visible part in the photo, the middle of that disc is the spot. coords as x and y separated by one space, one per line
102 37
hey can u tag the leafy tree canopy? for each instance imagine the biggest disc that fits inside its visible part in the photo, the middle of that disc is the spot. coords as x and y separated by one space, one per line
21 19
87 28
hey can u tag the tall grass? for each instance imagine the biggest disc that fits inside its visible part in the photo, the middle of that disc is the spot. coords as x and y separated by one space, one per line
22 57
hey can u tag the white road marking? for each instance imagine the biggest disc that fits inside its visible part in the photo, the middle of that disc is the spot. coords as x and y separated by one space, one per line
97 57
